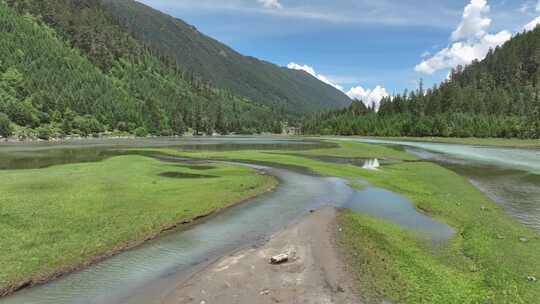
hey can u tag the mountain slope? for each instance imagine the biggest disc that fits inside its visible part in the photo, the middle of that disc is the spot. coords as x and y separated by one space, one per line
85 74
496 97
223 67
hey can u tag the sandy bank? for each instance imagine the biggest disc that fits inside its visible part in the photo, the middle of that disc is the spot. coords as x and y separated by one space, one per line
314 274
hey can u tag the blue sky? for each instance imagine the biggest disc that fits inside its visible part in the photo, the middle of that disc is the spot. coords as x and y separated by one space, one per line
367 48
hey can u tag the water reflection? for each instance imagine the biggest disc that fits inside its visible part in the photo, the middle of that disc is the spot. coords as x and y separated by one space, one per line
371 164
41 155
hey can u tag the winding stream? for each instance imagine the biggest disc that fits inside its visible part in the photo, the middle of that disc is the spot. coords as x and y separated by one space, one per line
510 177
144 274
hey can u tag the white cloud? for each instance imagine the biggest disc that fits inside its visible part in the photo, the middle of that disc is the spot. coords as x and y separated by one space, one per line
367 96
538 6
274 4
474 22
311 71
370 97
462 53
532 25
470 41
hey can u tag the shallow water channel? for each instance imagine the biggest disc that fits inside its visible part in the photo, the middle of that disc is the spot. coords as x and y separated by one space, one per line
510 177
146 273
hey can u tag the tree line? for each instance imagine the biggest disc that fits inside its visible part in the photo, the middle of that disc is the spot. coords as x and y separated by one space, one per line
67 68
496 97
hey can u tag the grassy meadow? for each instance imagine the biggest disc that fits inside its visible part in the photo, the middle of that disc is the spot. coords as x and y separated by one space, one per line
58 218
487 261
61 216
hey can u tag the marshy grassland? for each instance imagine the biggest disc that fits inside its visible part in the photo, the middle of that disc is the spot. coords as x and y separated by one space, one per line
60 218
491 258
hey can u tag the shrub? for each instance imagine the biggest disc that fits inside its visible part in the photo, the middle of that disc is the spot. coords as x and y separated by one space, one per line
122 126
141 132
43 133
23 114
166 132
5 126
87 125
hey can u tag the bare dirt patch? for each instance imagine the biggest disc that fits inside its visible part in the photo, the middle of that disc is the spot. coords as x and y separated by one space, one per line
314 272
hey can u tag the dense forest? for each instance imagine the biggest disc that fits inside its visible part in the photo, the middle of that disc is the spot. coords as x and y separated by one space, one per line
277 87
495 97
67 67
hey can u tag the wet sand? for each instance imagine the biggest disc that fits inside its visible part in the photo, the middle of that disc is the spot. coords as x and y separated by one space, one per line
314 273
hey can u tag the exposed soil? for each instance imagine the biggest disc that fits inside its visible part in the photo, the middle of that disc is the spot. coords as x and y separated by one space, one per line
314 273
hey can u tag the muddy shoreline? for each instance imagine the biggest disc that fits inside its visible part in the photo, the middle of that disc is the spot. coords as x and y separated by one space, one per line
315 272
41 279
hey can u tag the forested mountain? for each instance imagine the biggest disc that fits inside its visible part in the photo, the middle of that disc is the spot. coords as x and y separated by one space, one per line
67 66
495 97
213 61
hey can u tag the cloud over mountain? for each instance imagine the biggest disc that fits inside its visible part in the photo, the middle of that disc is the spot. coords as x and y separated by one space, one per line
370 97
471 40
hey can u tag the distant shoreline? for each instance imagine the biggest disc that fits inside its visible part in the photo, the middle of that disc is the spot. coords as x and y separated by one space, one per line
495 142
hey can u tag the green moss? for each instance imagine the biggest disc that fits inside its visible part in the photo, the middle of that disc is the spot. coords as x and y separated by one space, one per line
62 216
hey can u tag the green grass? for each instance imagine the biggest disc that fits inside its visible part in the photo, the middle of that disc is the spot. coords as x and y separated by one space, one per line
359 150
392 264
499 142
486 254
59 217
484 263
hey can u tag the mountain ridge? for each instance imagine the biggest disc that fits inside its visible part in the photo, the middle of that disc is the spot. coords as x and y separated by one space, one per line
67 68
222 66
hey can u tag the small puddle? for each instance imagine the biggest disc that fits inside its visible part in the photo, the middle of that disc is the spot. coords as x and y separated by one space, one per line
197 167
185 175
395 208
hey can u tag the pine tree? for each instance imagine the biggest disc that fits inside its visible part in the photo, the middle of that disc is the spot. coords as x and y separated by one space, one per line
197 120
221 126
178 125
